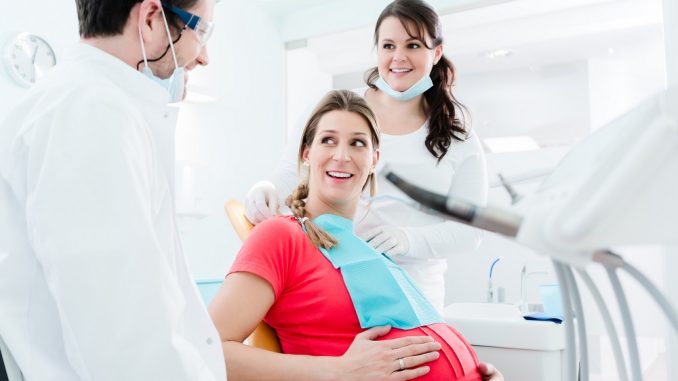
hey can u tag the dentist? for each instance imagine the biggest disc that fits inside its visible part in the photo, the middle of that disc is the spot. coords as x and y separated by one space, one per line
93 281
424 136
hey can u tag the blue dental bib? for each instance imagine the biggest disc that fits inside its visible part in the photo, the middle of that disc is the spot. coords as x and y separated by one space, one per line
382 293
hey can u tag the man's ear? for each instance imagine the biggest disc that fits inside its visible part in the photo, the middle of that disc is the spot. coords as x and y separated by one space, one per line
150 20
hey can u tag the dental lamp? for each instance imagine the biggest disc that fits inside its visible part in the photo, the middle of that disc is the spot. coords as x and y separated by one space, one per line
617 187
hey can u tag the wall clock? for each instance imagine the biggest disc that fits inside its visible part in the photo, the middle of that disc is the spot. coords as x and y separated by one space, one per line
27 57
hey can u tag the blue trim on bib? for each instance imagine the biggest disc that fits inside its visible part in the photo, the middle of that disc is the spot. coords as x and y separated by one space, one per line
381 291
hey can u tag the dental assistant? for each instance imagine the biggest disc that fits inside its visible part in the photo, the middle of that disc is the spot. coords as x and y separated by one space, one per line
93 281
424 138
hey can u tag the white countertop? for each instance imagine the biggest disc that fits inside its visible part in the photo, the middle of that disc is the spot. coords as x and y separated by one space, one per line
502 325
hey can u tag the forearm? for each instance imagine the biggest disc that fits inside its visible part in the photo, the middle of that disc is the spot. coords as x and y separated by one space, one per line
245 363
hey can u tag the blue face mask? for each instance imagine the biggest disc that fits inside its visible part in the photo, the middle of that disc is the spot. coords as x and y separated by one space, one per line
174 84
416 90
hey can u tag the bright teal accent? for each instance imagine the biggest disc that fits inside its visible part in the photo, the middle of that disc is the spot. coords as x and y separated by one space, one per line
208 288
382 293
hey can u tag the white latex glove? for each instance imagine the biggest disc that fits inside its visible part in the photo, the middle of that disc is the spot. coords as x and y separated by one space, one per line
390 240
261 202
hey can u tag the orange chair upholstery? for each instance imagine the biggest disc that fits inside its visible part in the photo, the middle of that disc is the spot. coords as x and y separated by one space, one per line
264 336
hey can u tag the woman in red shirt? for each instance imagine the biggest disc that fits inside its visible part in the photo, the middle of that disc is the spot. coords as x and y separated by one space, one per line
284 276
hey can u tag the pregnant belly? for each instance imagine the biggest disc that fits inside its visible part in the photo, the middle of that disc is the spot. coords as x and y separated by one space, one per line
457 359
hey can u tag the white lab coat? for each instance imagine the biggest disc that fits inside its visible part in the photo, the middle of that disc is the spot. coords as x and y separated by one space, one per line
432 239
93 281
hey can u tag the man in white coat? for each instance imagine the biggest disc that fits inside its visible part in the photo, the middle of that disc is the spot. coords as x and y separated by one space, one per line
93 282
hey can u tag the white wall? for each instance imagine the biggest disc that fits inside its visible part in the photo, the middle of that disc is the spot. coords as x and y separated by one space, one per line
238 138
548 102
623 78
306 83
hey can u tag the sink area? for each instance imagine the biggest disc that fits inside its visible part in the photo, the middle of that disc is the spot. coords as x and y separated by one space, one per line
521 349
502 325
483 311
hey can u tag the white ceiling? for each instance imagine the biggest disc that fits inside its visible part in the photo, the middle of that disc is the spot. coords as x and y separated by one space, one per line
281 9
301 19
537 32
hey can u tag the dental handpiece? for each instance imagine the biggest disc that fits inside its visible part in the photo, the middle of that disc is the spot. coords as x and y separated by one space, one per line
487 218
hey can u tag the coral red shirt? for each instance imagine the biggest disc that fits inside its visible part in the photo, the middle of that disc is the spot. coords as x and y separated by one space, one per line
313 313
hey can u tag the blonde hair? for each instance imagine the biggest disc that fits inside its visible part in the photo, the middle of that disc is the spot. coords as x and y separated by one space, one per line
336 100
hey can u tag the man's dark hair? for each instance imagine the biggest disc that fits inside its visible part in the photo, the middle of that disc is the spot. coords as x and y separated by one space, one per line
102 18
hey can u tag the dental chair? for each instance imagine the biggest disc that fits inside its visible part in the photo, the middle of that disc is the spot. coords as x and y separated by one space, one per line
264 336
9 370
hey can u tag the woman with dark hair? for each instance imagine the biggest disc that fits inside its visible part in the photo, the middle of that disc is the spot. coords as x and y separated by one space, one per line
425 138
326 292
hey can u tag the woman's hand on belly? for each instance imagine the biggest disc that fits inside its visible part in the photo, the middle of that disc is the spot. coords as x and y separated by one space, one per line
367 359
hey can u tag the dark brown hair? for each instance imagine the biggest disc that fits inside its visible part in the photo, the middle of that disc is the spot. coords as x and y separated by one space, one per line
336 100
102 18
446 115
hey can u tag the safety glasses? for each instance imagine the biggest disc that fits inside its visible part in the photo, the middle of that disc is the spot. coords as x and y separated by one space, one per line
202 28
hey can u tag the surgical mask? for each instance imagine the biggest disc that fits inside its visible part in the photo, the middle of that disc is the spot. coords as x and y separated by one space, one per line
174 84
416 90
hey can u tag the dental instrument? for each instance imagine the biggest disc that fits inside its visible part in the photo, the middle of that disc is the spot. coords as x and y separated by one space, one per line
568 320
581 323
634 356
615 188
608 323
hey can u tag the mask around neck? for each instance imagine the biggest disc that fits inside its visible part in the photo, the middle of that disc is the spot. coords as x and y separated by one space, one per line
416 90
174 84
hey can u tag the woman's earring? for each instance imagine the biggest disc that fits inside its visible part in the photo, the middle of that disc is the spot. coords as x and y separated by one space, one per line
306 163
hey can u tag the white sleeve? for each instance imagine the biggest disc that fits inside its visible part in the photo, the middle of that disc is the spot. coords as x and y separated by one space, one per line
91 224
451 238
